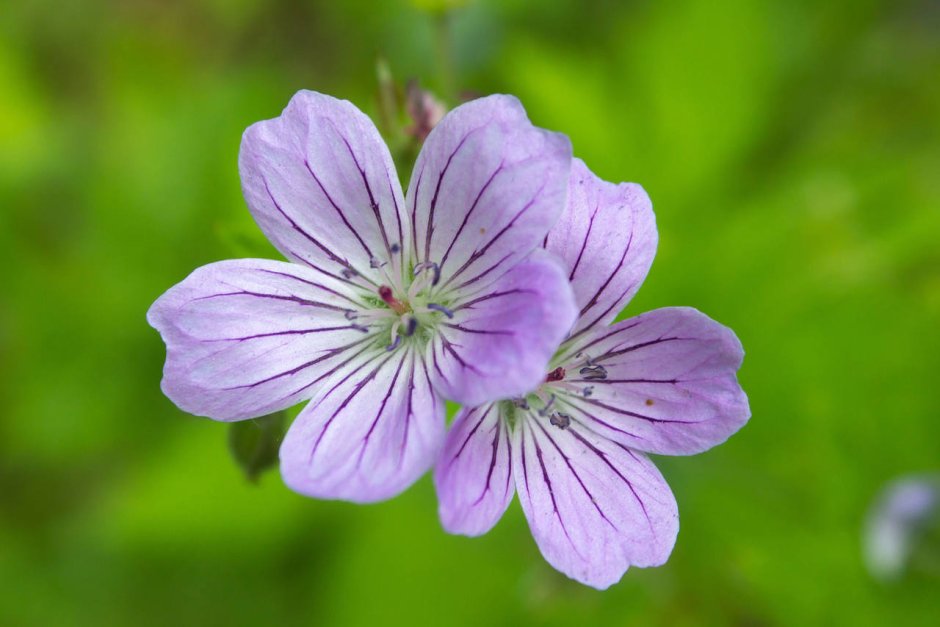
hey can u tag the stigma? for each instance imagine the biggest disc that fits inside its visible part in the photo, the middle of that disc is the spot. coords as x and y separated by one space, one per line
385 293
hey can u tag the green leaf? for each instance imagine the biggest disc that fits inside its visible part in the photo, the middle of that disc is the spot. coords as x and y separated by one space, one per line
254 443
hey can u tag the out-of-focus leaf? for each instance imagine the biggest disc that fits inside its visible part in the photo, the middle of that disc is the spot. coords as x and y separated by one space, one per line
254 443
438 6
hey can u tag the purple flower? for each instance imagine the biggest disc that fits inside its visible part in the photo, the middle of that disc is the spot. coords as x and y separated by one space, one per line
575 450
390 303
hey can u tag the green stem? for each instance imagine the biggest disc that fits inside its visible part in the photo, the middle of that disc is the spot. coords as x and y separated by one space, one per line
443 44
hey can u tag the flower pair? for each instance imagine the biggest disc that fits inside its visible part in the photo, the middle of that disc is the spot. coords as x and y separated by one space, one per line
392 303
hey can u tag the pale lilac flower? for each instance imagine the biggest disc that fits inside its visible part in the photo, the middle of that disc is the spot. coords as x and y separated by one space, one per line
899 526
389 303
575 450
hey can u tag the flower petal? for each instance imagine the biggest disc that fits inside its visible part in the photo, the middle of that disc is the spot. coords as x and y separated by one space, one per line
606 238
486 189
671 386
251 336
499 342
473 475
595 507
321 184
373 431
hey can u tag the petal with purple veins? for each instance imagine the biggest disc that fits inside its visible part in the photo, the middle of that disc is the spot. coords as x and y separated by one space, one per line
670 384
473 475
606 238
486 189
248 337
321 184
595 507
499 341
376 427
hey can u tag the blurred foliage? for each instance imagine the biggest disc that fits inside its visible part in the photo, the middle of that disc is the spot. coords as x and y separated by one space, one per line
792 152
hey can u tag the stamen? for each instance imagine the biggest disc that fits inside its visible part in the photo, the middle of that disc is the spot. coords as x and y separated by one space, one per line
348 273
410 326
359 327
521 403
374 314
351 315
441 308
429 265
544 410
560 420
375 263
394 344
395 249
555 375
588 391
385 293
593 372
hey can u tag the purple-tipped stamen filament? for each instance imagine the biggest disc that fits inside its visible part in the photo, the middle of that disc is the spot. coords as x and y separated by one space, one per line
441 308
545 409
433 267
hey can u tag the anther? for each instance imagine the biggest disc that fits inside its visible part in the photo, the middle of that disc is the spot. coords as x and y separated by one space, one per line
588 391
395 249
429 265
560 420
351 315
555 375
410 326
348 273
375 263
441 308
595 372
394 344
521 403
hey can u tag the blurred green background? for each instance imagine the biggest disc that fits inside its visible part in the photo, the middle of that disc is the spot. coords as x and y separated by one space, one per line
792 151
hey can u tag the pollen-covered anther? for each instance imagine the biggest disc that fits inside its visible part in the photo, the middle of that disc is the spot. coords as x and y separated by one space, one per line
560 420
555 375
587 391
385 293
595 372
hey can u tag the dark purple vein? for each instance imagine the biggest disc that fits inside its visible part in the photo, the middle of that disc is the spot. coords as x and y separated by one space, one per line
467 215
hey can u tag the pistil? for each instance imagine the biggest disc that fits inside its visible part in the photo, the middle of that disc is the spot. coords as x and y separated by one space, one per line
385 293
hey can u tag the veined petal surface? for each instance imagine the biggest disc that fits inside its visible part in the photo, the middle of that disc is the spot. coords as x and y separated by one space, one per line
606 238
321 184
376 427
486 189
671 383
595 507
251 336
500 340
473 476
